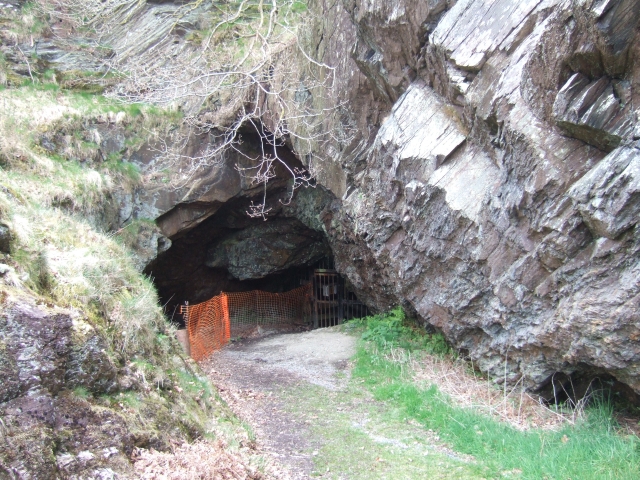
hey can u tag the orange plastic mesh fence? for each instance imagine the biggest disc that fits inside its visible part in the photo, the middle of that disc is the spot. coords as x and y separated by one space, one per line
210 324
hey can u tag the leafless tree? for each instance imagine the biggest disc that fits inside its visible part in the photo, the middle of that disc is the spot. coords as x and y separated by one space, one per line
246 69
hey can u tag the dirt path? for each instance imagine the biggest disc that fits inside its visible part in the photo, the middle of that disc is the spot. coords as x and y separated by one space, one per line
295 392
253 376
309 418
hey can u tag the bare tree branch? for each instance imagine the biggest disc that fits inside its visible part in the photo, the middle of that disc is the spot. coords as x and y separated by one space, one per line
250 63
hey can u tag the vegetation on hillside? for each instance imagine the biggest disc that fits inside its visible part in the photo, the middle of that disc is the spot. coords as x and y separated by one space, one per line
589 445
63 254
66 136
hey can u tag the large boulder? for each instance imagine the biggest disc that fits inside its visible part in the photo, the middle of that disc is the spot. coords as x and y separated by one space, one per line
266 248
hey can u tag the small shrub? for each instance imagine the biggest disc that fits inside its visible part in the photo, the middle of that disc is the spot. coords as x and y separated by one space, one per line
386 329
135 109
44 279
392 330
436 344
116 164
81 392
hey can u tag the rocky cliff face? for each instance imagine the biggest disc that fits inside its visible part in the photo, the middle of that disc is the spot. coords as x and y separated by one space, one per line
498 193
489 182
484 174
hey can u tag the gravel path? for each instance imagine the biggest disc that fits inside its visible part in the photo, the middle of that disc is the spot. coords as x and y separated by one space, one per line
250 374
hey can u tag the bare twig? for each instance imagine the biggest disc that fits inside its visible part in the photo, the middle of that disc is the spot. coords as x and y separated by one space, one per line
244 71
27 62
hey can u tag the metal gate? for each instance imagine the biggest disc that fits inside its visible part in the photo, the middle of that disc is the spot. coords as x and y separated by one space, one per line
333 303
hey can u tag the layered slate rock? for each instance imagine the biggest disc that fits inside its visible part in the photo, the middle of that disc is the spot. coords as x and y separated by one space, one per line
483 166
597 112
471 31
496 197
483 172
608 197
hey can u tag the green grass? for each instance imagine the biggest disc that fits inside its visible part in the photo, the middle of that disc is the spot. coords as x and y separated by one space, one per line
591 449
116 164
58 210
30 22
391 329
299 7
82 392
92 103
355 437
131 399
195 385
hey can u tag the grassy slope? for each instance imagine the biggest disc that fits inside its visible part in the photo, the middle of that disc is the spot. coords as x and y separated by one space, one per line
65 252
56 208
593 448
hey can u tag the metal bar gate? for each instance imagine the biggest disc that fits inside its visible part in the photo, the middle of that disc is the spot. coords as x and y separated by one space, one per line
333 303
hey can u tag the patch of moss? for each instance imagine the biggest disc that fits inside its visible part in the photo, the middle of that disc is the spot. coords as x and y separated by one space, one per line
116 164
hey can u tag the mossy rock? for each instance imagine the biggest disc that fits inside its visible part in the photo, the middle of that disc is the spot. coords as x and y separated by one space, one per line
6 238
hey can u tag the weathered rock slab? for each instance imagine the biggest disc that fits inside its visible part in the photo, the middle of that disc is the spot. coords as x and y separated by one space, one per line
267 248
608 197
498 198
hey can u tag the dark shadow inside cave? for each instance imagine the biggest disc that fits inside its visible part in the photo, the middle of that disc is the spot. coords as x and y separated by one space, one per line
218 247
231 252
586 387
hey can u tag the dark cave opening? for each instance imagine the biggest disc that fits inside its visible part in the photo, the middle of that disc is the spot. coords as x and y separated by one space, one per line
231 252
208 260
219 247
586 387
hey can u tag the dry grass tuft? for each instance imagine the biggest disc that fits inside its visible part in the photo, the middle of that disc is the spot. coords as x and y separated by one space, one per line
201 460
469 390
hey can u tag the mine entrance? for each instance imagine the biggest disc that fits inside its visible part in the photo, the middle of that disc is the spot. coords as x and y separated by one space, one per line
332 301
323 299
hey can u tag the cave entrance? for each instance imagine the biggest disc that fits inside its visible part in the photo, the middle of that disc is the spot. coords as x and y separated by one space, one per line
322 300
230 252
221 251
